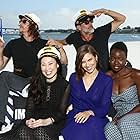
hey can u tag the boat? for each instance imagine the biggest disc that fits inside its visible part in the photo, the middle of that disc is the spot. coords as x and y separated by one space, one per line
133 56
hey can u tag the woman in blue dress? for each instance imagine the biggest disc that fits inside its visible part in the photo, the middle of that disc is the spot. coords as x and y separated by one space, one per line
125 97
90 93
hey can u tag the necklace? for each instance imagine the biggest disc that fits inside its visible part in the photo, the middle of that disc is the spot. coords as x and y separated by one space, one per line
48 93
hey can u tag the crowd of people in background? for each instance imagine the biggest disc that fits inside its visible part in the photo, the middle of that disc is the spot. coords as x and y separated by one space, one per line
38 87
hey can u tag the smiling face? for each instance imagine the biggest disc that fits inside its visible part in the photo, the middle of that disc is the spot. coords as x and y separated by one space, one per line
49 67
117 59
89 63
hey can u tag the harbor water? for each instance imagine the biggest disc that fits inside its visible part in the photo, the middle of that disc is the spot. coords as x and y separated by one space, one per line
131 40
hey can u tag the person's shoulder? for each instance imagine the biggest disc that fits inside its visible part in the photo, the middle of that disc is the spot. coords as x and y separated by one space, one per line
109 73
13 41
72 76
135 75
135 72
61 79
103 28
106 76
75 33
41 40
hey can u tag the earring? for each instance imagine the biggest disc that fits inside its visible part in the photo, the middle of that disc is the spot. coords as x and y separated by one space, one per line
126 63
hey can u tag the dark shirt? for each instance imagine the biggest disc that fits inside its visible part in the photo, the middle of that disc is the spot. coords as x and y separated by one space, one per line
24 55
99 42
54 104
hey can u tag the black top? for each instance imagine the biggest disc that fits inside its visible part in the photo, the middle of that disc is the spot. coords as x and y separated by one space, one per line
24 55
55 103
99 42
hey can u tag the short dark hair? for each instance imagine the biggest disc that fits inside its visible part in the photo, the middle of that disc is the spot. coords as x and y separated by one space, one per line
121 46
84 49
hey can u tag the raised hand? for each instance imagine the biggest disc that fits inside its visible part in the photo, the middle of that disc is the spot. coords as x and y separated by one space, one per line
54 42
98 12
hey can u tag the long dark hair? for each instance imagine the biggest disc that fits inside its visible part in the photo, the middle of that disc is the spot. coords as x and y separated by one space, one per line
87 48
38 84
33 30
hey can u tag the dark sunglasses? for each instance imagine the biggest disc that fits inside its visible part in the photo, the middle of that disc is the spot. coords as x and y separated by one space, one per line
85 20
23 21
88 21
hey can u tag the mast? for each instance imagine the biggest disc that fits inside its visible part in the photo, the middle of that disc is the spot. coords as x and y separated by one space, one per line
0 26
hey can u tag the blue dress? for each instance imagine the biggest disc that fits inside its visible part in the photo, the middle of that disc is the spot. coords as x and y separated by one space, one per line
97 99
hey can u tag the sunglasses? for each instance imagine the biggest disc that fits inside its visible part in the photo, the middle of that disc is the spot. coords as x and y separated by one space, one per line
86 22
23 21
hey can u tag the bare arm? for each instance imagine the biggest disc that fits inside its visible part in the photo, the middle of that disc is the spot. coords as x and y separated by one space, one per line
59 46
3 59
136 78
62 42
53 42
118 18
63 59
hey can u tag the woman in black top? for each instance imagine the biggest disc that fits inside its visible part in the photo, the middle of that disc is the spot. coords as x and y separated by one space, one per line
48 98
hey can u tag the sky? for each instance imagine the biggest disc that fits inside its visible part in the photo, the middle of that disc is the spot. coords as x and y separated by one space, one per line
58 14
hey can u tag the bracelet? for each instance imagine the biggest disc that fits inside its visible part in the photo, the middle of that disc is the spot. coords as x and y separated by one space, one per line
91 113
52 120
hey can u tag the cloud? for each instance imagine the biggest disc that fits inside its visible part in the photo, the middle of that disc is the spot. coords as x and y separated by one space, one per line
59 19
132 18
62 18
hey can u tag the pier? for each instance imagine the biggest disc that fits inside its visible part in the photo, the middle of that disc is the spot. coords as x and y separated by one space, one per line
10 30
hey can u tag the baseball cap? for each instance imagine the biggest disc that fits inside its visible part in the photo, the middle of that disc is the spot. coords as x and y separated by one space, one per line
31 16
48 51
82 15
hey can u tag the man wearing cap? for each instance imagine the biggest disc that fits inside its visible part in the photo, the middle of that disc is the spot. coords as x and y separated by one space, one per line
23 51
86 34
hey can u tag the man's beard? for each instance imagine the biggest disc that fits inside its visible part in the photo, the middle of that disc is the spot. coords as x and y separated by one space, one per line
89 31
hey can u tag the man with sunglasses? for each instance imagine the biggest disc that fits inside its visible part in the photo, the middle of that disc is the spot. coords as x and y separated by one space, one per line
86 34
23 51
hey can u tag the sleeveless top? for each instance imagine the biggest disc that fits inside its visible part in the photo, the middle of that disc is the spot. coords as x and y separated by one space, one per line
126 101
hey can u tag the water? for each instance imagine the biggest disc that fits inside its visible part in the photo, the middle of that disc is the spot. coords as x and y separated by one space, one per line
124 37
55 35
131 40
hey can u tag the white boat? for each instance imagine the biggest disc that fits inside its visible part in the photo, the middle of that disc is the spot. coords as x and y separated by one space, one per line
133 56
